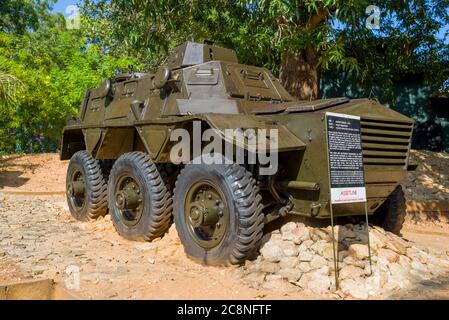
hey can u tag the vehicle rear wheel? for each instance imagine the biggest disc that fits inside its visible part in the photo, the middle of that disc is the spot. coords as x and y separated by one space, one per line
218 213
140 203
86 187
391 215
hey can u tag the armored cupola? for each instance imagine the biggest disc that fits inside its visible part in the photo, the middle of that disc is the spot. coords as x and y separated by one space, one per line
192 53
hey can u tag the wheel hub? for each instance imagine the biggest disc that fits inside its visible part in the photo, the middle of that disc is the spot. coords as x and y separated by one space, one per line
75 188
203 214
127 200
206 214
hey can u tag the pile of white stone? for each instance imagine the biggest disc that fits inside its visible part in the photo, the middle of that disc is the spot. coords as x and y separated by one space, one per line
302 258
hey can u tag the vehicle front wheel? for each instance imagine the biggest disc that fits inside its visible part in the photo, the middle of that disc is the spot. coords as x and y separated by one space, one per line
218 213
86 187
140 203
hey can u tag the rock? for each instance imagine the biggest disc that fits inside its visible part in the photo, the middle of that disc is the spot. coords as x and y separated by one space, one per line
297 235
2 253
389 255
253 266
288 227
351 272
288 262
377 238
255 279
145 246
419 266
318 262
324 249
304 267
355 288
315 282
273 277
350 260
290 274
289 249
279 285
436 270
343 232
341 255
322 234
358 251
397 244
269 267
324 270
418 255
375 282
272 251
305 246
305 256
275 236
399 275
404 262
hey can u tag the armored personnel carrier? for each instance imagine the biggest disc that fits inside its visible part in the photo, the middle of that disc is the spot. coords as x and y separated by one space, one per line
121 151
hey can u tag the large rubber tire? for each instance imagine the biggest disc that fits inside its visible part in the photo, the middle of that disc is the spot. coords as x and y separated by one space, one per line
391 214
241 240
157 199
95 185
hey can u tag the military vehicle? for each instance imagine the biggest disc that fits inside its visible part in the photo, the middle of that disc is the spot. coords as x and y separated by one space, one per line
119 149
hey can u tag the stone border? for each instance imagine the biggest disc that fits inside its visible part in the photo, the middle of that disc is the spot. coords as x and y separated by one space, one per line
41 289
33 193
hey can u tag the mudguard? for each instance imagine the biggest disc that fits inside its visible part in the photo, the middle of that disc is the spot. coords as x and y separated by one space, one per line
286 140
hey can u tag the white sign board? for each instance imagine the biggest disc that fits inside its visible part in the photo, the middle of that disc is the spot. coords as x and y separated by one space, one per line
347 175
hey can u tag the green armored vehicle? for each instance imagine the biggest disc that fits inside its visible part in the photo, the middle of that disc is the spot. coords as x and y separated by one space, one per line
126 159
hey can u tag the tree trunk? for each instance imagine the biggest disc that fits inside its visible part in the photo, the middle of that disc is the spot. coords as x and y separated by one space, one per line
300 74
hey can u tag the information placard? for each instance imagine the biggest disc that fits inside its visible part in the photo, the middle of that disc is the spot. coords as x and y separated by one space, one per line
347 177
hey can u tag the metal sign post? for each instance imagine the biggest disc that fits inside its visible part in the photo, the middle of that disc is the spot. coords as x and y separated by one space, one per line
345 170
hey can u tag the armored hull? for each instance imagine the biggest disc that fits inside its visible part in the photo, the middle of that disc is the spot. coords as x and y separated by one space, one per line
125 133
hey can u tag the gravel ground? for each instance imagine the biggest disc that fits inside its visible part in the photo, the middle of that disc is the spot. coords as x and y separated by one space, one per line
430 181
39 239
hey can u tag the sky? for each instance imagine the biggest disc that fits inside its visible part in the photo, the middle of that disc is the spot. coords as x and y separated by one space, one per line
62 5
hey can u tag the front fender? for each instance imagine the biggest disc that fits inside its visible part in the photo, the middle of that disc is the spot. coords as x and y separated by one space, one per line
286 141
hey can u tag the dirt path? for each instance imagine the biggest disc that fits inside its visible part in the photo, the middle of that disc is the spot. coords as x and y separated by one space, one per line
43 173
39 239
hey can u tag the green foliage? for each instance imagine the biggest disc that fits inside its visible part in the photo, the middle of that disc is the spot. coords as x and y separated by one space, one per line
56 66
261 31
52 67
18 16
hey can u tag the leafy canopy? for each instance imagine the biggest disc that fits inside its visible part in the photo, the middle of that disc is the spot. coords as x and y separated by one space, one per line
262 31
55 67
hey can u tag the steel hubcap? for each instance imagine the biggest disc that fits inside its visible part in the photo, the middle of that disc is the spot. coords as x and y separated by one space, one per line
129 200
206 214
76 189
